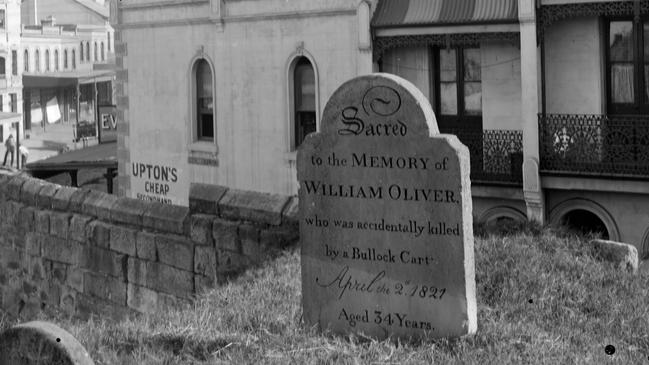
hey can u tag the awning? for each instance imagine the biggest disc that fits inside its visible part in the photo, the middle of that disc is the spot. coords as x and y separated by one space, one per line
100 156
396 13
65 78
9 118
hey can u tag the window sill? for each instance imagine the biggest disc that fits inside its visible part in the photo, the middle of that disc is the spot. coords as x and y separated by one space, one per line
203 153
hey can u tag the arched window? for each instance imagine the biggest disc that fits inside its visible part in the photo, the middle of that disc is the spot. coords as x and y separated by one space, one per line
56 60
204 100
2 67
37 61
26 60
96 58
74 59
65 59
103 56
47 60
81 51
88 51
304 99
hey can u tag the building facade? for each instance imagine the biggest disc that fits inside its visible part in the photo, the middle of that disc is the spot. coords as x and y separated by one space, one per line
65 64
550 96
11 90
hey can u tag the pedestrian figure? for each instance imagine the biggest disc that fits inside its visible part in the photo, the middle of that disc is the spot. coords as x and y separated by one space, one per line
10 145
23 152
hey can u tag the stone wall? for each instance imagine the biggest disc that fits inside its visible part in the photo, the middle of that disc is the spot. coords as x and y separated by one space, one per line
84 251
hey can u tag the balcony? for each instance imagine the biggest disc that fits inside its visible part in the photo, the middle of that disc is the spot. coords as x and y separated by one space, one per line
594 145
496 155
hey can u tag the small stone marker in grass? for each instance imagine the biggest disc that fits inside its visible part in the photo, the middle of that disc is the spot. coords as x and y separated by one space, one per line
40 343
385 217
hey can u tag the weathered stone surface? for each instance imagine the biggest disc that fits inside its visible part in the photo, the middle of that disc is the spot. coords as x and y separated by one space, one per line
143 300
204 198
29 191
385 217
59 224
103 261
167 218
98 204
129 211
625 256
175 251
254 206
205 261
105 287
26 218
41 343
98 233
14 186
123 240
249 236
160 277
225 235
33 243
42 221
62 197
61 250
88 305
200 229
46 194
78 227
146 249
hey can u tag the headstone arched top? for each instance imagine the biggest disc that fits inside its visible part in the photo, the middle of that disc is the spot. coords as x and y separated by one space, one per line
378 105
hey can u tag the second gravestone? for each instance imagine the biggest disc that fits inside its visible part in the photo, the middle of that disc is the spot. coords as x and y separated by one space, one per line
385 217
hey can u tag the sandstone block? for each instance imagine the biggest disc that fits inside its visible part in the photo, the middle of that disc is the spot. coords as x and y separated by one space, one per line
98 233
253 206
175 251
145 246
141 299
204 198
104 261
33 243
78 227
46 195
123 240
14 186
98 204
59 224
160 277
26 218
42 221
167 218
129 211
62 197
201 229
105 287
249 236
226 235
74 279
62 250
625 256
29 191
205 261
88 305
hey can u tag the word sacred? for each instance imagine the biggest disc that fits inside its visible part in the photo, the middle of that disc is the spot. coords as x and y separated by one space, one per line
394 192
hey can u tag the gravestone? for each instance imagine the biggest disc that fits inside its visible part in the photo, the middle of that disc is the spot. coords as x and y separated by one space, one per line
41 343
385 217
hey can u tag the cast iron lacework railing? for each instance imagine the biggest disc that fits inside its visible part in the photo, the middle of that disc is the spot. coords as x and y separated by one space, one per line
595 144
496 155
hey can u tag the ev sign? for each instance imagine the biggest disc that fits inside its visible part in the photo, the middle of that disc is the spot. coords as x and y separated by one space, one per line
107 123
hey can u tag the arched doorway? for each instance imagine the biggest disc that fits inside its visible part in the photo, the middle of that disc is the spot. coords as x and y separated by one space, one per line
585 222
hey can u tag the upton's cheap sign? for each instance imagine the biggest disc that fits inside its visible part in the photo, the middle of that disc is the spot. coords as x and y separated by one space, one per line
154 182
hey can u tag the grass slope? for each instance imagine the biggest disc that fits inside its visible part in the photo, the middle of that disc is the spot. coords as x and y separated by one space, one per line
543 297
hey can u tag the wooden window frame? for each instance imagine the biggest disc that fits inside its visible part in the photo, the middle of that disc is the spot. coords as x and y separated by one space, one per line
639 106
461 119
